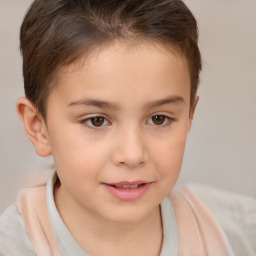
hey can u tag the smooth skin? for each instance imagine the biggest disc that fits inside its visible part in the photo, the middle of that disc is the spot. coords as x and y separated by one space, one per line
121 115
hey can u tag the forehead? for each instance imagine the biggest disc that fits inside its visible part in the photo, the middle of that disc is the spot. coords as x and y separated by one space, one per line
119 51
145 69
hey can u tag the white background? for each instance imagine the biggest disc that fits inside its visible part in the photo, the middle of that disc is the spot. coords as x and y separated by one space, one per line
221 149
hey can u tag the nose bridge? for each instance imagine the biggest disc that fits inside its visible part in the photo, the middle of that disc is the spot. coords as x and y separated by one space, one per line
130 147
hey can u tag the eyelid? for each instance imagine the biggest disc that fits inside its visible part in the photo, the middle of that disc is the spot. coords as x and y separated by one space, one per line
85 121
169 119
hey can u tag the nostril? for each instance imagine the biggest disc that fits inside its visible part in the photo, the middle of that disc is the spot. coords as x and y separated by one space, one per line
130 153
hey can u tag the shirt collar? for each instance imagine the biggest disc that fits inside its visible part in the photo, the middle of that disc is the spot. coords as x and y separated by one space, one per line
67 245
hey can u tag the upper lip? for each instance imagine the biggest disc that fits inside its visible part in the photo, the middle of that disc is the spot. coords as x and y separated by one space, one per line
127 183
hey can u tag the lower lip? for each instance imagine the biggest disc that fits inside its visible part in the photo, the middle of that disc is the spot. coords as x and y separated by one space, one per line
127 194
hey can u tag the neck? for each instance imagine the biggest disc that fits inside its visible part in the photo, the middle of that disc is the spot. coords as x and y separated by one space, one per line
143 237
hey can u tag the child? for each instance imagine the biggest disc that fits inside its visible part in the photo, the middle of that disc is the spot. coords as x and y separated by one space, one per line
110 93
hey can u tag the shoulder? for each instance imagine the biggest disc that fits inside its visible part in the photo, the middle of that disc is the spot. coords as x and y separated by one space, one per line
13 237
25 227
199 232
235 213
15 222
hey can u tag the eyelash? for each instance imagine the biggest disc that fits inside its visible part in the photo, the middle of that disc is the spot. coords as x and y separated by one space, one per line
89 119
167 121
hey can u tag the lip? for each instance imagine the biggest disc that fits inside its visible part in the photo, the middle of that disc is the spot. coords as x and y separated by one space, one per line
127 194
127 183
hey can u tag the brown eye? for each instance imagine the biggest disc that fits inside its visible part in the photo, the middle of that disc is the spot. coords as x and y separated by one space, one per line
158 119
97 121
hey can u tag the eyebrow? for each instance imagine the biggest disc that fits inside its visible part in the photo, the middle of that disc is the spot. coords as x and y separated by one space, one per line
95 103
109 105
169 100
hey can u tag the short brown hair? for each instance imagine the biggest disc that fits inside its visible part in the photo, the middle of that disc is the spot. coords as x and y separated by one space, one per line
55 33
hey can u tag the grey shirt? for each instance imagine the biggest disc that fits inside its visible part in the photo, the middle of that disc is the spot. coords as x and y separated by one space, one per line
14 240
235 213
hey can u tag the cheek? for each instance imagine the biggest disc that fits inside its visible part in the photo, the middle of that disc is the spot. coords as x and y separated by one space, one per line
79 166
77 156
169 154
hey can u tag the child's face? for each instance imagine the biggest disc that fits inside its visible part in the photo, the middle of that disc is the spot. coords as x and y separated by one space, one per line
122 116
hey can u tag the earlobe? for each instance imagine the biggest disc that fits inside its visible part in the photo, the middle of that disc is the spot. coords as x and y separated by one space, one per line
192 111
34 126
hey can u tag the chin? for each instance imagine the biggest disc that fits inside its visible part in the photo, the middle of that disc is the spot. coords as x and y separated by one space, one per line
126 218
128 214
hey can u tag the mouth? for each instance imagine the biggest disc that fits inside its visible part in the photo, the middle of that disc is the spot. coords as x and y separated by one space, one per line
128 186
128 191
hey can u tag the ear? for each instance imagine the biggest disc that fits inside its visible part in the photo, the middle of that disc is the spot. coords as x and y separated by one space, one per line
34 126
192 111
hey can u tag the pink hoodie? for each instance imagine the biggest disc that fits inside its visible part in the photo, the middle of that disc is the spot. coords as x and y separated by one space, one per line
199 234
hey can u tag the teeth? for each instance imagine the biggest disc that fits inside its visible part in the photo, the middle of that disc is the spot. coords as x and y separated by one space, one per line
127 186
134 186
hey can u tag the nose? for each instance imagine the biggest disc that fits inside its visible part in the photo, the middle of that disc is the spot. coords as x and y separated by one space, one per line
130 149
